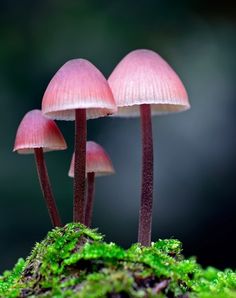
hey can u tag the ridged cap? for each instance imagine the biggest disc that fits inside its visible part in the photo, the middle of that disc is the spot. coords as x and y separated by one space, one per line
78 84
97 161
144 77
37 131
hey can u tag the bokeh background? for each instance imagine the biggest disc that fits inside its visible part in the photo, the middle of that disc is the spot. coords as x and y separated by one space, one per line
195 159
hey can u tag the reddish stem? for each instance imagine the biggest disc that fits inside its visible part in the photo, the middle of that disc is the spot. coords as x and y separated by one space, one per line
90 199
80 163
145 215
46 187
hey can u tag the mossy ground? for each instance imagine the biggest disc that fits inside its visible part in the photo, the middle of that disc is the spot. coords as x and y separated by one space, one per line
74 261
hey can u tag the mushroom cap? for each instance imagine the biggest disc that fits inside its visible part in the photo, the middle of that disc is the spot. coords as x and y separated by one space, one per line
144 77
37 131
78 84
97 161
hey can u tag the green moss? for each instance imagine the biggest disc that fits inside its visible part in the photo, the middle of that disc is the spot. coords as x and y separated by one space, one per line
10 278
74 261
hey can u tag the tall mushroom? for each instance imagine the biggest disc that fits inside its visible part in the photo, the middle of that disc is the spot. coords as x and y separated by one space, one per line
144 84
98 163
78 91
37 134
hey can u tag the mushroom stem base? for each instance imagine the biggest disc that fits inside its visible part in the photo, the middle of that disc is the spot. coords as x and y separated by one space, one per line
90 199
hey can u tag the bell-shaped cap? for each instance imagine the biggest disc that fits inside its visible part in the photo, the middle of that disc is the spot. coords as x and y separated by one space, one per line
78 84
97 161
37 131
144 77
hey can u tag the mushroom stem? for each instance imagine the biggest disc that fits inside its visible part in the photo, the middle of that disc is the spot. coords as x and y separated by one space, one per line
145 215
90 198
46 188
80 163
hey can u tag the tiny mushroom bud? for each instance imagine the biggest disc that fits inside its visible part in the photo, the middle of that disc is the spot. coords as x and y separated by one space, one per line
78 91
144 84
37 134
98 163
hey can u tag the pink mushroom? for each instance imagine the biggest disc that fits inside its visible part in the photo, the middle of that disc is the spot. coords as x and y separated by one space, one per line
37 134
98 163
144 84
76 92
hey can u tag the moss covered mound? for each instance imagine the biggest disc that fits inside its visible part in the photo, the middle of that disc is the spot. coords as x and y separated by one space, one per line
74 261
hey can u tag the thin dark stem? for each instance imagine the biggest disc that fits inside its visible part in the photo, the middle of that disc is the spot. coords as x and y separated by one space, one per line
145 215
90 199
80 163
46 187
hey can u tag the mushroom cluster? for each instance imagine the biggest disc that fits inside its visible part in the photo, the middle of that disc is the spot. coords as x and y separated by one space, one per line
142 84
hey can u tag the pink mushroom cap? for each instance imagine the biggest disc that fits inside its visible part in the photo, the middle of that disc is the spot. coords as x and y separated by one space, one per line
78 84
97 161
37 131
144 77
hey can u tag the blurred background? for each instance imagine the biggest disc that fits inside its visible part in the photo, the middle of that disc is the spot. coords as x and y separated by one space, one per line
195 159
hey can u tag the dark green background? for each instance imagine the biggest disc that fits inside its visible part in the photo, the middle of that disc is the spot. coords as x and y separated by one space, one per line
195 159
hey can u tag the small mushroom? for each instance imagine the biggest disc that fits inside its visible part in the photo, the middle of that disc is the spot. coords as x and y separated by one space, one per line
144 84
37 134
98 163
78 91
